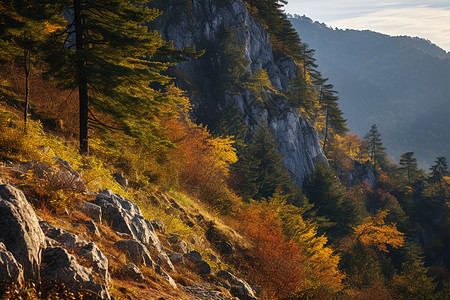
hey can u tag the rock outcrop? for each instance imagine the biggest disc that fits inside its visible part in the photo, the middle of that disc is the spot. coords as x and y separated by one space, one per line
20 231
124 216
60 267
199 23
239 287
88 251
10 270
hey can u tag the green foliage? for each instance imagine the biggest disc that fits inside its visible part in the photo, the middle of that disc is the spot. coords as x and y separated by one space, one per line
283 36
361 268
233 64
413 281
302 94
260 167
324 190
377 152
112 58
409 167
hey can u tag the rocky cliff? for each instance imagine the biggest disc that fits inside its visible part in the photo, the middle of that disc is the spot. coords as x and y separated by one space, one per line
199 23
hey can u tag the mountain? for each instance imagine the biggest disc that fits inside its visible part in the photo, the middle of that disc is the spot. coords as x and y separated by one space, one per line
204 25
400 83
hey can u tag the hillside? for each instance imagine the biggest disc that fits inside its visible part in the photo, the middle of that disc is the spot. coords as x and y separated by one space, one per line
399 83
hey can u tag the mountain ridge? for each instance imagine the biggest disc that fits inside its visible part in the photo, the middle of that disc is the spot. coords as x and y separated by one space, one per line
396 82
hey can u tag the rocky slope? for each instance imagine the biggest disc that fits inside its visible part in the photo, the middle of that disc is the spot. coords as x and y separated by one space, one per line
110 243
199 23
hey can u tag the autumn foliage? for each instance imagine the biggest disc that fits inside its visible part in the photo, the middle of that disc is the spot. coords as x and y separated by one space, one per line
276 263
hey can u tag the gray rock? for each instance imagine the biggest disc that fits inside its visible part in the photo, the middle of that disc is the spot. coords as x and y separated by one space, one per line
93 228
176 258
20 231
239 287
158 225
359 174
130 270
204 268
201 25
61 177
86 250
165 276
122 180
93 211
125 216
183 247
201 292
10 270
60 267
136 252
193 256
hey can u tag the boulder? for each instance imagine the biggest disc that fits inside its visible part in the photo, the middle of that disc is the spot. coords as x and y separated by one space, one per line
176 258
61 177
239 287
204 268
20 231
93 211
62 268
193 256
135 252
10 270
130 270
124 216
158 225
86 250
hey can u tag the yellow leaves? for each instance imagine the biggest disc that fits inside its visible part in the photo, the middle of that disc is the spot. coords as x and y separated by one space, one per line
374 232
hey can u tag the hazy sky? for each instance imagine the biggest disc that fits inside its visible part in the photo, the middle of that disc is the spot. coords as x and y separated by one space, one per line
422 18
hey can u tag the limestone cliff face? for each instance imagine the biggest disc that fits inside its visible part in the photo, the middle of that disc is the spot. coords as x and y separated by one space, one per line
198 23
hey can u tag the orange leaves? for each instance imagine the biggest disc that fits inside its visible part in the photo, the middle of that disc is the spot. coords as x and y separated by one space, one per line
374 232
202 160
277 264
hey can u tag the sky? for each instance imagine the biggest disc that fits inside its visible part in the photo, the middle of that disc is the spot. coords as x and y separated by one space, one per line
426 19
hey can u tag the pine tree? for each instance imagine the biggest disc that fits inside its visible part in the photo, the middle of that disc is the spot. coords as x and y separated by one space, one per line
260 167
26 27
302 94
377 152
438 171
231 53
409 166
325 191
333 115
112 58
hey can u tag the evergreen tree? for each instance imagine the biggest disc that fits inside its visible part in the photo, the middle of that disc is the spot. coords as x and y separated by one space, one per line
283 36
413 281
26 26
233 64
302 94
260 167
438 171
377 152
112 57
333 115
325 191
409 166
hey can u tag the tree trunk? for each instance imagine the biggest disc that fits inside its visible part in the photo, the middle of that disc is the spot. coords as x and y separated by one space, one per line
82 81
27 87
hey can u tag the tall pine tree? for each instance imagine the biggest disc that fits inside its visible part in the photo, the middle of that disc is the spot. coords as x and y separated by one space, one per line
377 152
111 57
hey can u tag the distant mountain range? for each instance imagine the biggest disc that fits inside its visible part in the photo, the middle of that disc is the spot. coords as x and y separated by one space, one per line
402 84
